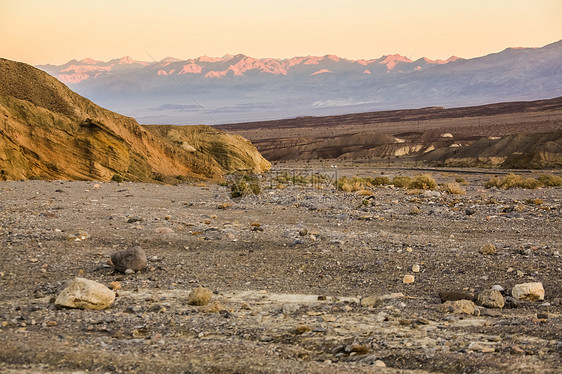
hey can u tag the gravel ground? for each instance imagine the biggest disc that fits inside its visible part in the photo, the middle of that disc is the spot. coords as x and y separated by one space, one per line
289 270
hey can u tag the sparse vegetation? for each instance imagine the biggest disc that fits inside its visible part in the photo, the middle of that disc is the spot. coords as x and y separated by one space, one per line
117 178
401 181
518 181
247 184
454 188
423 182
550 180
299 179
354 184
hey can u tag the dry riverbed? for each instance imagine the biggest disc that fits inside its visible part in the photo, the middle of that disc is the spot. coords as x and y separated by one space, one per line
303 279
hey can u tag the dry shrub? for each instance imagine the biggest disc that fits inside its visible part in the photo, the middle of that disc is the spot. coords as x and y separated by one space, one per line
534 201
550 180
423 182
513 181
401 181
380 181
454 188
354 184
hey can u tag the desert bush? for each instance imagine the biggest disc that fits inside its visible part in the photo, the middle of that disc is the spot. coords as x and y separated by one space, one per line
353 184
245 185
550 180
380 181
454 188
117 178
513 181
423 182
401 181
460 180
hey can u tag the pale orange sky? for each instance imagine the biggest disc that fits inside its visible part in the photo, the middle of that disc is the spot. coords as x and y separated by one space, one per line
55 31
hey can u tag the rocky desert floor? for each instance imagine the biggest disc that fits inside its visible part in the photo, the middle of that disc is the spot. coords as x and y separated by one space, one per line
304 279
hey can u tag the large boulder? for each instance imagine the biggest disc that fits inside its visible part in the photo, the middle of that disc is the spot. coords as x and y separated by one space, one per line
528 291
85 294
133 258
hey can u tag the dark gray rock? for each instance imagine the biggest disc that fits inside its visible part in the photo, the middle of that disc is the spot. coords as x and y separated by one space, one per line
133 258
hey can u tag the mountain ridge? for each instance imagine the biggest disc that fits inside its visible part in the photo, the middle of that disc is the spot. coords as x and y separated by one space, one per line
237 88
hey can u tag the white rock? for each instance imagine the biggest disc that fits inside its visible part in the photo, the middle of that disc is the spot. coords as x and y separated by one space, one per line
415 268
528 291
85 294
408 279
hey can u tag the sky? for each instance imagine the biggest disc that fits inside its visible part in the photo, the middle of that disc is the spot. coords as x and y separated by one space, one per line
56 31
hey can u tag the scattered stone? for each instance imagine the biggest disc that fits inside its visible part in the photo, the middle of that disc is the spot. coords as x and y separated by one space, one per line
490 299
79 236
301 329
212 233
456 295
245 306
164 230
497 287
199 296
469 211
133 258
542 315
135 220
213 307
223 206
322 297
380 364
511 302
488 249
528 291
415 210
459 307
129 271
482 347
371 301
415 268
85 294
115 285
289 309
303 232
490 312
359 349
408 279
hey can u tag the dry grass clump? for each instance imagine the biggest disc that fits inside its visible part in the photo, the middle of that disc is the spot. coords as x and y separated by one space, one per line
299 179
534 201
454 188
423 182
518 181
401 181
353 184
550 180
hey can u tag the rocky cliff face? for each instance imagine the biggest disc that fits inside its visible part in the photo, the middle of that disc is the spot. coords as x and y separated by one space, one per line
49 132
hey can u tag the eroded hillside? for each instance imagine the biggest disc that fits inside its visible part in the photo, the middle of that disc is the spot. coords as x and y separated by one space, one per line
49 132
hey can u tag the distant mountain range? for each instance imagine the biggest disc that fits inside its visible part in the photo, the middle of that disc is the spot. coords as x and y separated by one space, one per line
240 88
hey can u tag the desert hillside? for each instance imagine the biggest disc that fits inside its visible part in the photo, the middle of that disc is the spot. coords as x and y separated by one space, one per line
49 132
514 134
